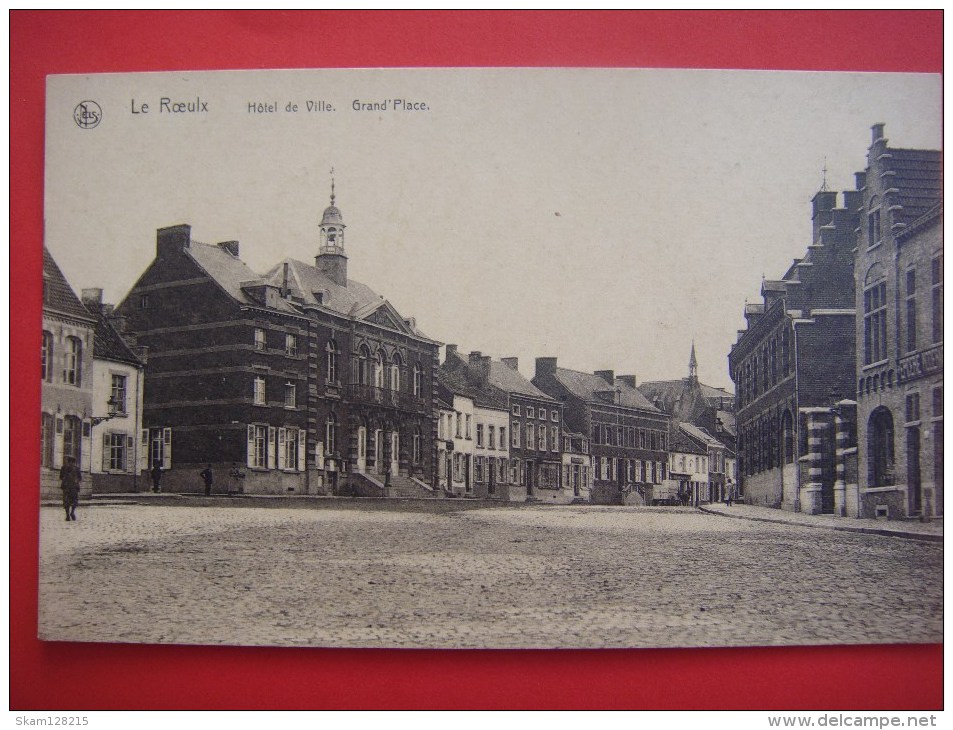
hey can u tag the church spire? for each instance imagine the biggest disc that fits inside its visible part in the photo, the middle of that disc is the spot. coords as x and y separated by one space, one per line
693 364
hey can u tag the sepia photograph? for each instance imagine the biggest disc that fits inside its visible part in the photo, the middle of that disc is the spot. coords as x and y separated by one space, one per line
492 358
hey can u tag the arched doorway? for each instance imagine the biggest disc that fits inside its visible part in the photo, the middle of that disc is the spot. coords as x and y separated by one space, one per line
880 448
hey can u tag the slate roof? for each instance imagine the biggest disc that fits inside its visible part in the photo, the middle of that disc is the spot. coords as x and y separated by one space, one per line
700 434
728 422
586 385
108 344
669 390
679 442
918 178
58 295
228 271
509 380
459 382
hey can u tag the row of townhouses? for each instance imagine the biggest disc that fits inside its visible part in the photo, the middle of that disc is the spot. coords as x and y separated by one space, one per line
839 372
305 381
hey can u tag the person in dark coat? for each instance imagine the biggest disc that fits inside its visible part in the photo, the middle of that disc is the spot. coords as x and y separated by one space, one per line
156 476
69 482
207 478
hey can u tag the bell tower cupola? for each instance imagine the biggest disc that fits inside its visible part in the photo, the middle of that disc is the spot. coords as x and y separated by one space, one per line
331 258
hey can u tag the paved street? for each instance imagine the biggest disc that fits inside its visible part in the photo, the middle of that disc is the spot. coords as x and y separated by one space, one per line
349 573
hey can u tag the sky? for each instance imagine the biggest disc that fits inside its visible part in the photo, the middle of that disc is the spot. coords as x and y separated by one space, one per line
605 217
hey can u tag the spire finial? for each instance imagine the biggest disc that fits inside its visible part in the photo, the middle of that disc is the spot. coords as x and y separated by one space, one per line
824 178
332 185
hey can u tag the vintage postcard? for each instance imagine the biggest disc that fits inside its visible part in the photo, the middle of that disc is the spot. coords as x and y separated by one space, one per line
475 358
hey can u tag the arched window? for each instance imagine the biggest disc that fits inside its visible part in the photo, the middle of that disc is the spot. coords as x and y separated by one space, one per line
395 372
418 380
379 363
73 370
874 231
880 448
363 365
332 236
416 445
332 350
331 434
787 437
46 357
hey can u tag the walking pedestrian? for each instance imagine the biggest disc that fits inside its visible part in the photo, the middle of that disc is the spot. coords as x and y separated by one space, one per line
69 482
156 476
207 478
728 497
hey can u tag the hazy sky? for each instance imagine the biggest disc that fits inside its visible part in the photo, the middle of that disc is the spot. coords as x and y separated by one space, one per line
606 217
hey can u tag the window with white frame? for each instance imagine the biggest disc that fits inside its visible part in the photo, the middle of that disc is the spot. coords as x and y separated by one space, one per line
530 436
114 452
491 437
459 431
555 438
418 380
502 437
258 446
469 420
117 394
46 357
291 398
415 451
47 425
542 414
291 345
259 391
516 409
542 438
479 435
73 372
554 417
288 446
259 338
331 349
530 412
516 434
330 434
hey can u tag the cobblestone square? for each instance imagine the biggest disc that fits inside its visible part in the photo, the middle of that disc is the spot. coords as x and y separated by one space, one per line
353 573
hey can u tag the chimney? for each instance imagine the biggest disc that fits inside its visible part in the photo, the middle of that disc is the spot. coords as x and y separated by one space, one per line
93 299
172 241
823 203
853 200
628 380
284 281
860 180
877 133
607 375
545 366
229 247
511 362
475 357
450 353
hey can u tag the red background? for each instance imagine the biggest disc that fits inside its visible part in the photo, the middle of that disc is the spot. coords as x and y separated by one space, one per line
101 676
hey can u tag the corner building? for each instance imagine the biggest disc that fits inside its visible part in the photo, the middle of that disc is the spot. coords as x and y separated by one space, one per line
899 331
301 381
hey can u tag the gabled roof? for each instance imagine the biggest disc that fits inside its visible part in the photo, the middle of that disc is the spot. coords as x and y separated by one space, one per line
586 386
918 177
680 442
58 295
357 300
510 380
459 382
108 344
228 271
700 435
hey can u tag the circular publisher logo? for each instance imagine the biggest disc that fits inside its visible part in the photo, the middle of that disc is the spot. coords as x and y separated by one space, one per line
87 115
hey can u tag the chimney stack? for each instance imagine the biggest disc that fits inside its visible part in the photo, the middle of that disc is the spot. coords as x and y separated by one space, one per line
877 133
545 366
285 290
173 240
93 299
511 362
822 204
628 380
607 375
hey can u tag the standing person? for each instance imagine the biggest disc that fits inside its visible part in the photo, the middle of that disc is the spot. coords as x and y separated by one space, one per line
156 476
207 478
69 482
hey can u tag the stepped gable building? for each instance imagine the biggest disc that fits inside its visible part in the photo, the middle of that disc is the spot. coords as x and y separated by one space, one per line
792 368
899 331
66 376
120 447
628 435
535 427
301 381
479 426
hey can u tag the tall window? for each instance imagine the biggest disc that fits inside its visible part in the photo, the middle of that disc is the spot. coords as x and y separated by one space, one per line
72 433
418 380
911 310
530 436
490 437
873 222
415 451
332 351
259 338
114 451
290 395
880 451
46 357
469 424
459 429
46 440
913 407
936 291
289 449
502 437
379 369
395 373
73 372
331 434
257 446
291 345
542 438
260 391
363 366
785 354
516 434
118 394
787 440
875 322
479 435
555 438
